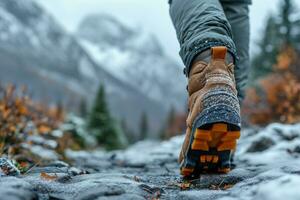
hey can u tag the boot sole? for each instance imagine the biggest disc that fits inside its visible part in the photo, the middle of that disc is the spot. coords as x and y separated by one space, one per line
211 149
214 136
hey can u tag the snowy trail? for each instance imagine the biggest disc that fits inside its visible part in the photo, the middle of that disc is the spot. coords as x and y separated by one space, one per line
268 167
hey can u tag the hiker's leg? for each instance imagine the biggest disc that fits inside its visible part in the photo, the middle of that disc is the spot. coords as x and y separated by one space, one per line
208 52
200 25
237 14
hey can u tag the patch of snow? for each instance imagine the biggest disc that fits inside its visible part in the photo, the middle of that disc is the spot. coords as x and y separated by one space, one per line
285 187
83 155
36 139
34 40
44 153
86 68
14 29
113 59
7 167
78 124
57 133
152 151
285 139
6 15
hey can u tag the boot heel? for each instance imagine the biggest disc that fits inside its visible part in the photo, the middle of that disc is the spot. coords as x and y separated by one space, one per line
214 135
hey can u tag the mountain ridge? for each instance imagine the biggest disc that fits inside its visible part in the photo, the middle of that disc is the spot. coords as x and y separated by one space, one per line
37 52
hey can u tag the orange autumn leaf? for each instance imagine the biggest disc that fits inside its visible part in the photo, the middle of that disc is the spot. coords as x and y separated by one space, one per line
2 107
285 59
2 145
185 186
23 110
44 129
23 164
227 186
12 128
20 116
48 177
5 113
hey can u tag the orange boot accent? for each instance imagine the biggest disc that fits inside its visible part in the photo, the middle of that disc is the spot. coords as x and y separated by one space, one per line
225 170
203 158
215 159
228 145
209 158
219 127
203 135
211 145
200 145
187 171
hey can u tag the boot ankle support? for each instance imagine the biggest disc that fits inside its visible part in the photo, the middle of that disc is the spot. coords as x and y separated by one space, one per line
206 56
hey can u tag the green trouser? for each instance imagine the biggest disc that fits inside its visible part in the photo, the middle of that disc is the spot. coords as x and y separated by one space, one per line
202 24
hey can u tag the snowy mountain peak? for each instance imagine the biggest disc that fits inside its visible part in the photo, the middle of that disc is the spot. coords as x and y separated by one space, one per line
135 57
23 21
104 29
107 31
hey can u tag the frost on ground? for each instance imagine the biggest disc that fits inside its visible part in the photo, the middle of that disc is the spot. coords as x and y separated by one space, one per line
267 167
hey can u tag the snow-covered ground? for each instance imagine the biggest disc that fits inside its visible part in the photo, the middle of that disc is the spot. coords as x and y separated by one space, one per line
267 168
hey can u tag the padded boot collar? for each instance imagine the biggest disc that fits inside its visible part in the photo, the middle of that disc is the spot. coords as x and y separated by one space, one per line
218 51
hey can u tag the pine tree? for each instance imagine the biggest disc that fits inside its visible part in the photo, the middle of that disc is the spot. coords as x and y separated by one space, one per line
144 126
103 126
278 34
269 48
287 9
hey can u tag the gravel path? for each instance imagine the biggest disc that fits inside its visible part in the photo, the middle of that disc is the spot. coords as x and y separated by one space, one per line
267 167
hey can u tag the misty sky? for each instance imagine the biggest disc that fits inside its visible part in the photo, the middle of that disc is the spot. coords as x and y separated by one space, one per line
151 15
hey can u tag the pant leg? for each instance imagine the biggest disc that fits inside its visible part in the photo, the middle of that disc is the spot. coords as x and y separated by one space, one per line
200 25
237 14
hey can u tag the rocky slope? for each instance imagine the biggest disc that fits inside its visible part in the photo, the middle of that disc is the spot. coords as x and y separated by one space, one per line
135 57
267 168
36 51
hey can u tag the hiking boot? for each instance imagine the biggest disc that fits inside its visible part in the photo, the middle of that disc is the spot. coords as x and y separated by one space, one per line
213 123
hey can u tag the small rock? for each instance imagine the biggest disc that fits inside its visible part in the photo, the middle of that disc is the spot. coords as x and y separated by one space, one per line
64 179
261 145
47 169
297 149
57 133
58 164
151 190
8 168
73 171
